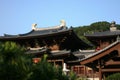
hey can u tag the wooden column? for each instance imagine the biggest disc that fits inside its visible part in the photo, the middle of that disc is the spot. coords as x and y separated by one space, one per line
93 74
100 70
85 71
54 62
104 76
100 73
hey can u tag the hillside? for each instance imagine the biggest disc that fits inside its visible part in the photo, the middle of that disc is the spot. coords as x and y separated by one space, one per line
94 27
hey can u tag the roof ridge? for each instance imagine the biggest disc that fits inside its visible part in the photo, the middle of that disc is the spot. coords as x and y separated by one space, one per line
117 41
62 25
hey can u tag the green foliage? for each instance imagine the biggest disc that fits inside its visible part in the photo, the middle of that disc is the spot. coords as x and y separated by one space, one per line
100 26
115 76
13 63
94 27
82 78
72 76
45 71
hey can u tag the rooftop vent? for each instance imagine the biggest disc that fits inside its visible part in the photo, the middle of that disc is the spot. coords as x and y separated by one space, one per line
113 26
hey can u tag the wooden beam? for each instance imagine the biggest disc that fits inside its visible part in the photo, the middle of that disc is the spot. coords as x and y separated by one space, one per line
100 54
112 63
111 70
55 60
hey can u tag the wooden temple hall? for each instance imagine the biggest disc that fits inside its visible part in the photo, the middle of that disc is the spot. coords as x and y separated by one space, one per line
64 48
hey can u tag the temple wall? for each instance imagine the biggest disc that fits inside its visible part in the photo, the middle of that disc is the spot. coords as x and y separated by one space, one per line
104 44
54 47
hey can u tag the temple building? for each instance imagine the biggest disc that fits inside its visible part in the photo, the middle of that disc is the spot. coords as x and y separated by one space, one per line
106 59
66 49
59 42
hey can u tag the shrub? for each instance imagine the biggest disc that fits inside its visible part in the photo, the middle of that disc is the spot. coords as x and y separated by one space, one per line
13 62
45 71
115 76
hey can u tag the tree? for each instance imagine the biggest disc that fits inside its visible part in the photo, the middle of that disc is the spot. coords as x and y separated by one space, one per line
94 27
15 65
46 71
115 76
100 26
13 62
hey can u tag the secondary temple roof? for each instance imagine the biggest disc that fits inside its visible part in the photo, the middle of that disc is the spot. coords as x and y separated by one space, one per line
112 32
101 51
104 34
86 57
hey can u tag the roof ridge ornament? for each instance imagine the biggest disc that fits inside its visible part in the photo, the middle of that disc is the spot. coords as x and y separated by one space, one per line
113 26
62 25
118 38
34 26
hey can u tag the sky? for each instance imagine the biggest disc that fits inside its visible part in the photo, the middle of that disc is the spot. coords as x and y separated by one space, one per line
17 16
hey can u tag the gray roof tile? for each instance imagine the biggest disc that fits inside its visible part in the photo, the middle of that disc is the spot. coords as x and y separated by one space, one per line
105 33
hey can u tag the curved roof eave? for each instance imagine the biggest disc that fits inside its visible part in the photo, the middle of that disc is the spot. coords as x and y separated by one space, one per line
33 34
87 59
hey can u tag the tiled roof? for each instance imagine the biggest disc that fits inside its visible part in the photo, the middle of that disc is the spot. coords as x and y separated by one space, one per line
38 51
37 32
79 56
90 54
100 51
105 33
60 52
